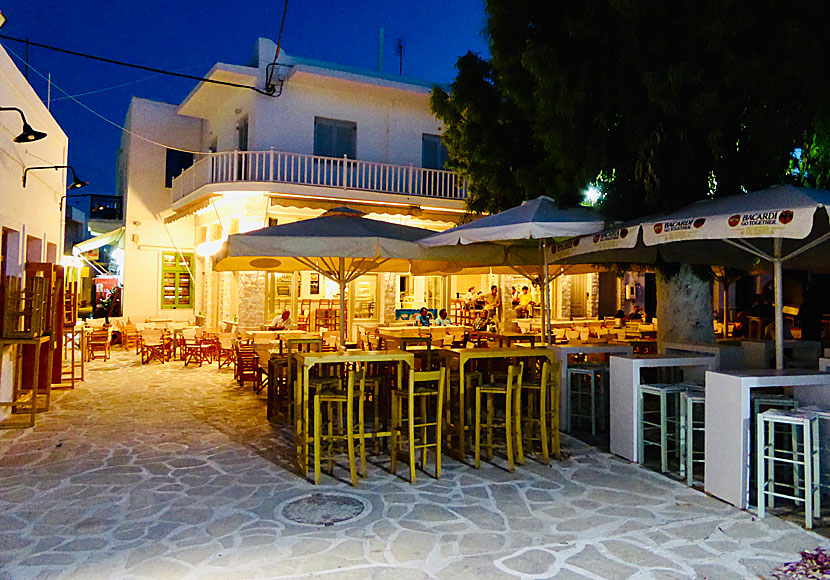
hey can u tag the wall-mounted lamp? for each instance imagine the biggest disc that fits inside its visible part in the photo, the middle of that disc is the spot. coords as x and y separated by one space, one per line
28 135
76 183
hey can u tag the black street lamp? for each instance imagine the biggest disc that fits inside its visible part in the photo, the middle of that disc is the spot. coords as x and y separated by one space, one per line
28 135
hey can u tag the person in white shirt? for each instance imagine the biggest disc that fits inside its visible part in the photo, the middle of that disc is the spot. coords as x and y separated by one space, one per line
282 322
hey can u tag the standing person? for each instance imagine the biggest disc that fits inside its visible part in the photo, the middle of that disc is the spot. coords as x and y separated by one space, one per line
443 318
423 318
492 302
470 297
525 302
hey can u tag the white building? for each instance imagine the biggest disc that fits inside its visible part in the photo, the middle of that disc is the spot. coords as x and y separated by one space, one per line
329 136
30 217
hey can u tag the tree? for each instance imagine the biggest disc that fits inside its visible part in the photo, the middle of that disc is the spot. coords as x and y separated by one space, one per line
669 101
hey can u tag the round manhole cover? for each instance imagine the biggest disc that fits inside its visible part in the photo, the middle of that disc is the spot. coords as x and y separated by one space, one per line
321 509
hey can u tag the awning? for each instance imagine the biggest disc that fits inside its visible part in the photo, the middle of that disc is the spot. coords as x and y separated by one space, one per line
94 243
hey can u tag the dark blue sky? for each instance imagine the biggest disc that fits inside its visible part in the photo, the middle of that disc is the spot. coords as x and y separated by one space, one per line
190 37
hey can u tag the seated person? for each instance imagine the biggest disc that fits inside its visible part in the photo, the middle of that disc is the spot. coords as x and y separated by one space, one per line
482 321
620 318
637 314
282 322
525 302
492 302
443 318
423 317
741 325
769 330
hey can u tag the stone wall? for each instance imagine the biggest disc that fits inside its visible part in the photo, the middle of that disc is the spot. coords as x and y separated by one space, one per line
251 297
388 289
566 297
593 300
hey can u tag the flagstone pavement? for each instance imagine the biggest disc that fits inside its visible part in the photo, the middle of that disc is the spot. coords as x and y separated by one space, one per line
165 472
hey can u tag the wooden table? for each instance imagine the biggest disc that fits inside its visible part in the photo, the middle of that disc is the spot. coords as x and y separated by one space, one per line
464 355
308 360
625 394
728 412
510 337
561 353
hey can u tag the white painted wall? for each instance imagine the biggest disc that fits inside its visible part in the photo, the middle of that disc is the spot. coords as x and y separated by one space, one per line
146 201
32 213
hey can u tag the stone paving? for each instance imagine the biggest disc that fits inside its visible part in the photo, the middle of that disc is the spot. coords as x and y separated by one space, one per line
157 471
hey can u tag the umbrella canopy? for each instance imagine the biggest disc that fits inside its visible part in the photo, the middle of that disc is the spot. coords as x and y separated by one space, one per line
536 219
526 228
781 225
342 245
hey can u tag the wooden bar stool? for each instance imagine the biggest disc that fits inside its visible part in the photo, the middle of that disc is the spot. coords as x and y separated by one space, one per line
804 458
533 414
693 427
423 386
338 429
661 420
510 426
587 394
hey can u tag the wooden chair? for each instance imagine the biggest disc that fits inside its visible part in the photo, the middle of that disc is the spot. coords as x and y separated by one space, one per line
339 428
422 386
247 367
98 344
155 345
511 428
225 352
195 349
129 335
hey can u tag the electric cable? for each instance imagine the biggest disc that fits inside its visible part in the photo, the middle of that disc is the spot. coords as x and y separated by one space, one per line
97 114
269 88
133 65
119 86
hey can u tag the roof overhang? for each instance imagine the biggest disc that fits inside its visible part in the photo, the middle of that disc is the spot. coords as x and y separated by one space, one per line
94 243
206 97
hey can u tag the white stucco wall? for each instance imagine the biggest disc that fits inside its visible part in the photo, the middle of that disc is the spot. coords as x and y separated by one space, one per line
147 199
390 122
32 213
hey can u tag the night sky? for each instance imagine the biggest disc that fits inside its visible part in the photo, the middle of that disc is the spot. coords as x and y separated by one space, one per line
190 37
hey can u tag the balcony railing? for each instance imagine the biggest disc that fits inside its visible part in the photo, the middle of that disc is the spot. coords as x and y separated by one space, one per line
312 170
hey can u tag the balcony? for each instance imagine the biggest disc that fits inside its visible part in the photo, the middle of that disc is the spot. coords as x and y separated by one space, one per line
318 172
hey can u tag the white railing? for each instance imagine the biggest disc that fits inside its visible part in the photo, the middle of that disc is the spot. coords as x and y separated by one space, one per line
299 169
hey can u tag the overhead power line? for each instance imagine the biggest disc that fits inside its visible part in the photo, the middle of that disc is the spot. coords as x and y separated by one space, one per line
132 65
99 115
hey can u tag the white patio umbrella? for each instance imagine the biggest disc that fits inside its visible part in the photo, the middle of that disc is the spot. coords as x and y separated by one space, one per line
781 225
527 230
342 245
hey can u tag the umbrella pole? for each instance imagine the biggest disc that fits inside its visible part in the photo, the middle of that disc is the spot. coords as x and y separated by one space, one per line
341 280
779 305
546 318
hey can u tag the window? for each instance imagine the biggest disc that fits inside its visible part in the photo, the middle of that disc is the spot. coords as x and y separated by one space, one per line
176 281
433 153
333 138
175 163
242 134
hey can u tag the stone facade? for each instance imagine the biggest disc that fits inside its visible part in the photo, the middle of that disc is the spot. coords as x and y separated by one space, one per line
251 296
565 284
593 300
388 287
